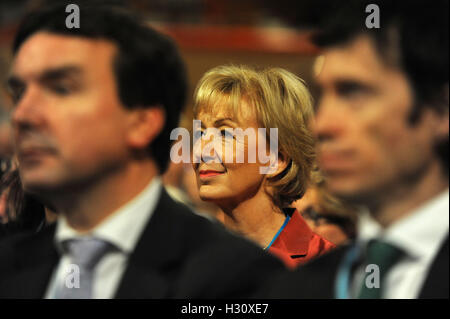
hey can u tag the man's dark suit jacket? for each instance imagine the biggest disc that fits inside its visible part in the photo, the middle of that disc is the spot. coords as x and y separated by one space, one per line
316 279
179 255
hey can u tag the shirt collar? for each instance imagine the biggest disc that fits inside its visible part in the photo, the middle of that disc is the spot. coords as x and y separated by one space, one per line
123 227
419 234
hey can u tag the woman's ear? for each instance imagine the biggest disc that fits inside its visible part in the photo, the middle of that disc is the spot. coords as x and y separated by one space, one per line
145 124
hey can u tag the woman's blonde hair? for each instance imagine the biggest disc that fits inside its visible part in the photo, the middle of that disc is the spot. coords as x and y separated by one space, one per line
281 100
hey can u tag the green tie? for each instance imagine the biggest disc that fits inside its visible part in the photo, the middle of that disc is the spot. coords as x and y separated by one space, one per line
381 256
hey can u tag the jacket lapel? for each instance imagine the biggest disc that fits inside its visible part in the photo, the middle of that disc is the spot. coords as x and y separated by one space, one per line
436 283
146 275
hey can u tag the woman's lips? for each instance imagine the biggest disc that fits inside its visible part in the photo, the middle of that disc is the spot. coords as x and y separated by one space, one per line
207 174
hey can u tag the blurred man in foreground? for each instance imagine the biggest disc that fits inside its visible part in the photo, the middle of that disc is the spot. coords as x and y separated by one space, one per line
383 128
94 108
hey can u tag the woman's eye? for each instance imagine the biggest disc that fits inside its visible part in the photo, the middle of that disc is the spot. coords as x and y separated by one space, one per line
227 134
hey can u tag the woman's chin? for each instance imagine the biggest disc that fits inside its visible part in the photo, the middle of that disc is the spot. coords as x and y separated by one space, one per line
207 197
209 193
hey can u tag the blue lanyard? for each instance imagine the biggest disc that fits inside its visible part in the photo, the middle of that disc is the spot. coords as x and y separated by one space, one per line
342 283
279 231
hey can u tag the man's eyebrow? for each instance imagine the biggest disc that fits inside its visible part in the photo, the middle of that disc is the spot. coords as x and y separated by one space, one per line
60 73
53 74
348 84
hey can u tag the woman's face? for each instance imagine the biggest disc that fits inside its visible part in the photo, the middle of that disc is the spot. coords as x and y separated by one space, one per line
222 177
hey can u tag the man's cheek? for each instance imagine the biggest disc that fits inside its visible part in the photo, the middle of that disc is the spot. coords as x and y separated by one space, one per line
370 158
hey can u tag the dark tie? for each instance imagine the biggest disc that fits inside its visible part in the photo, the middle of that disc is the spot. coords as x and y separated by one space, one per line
380 257
84 255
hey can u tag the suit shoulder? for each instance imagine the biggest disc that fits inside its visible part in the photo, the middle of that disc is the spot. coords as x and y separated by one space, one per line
191 223
314 280
206 232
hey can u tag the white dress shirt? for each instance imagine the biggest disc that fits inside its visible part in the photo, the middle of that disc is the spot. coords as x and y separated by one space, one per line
123 228
420 235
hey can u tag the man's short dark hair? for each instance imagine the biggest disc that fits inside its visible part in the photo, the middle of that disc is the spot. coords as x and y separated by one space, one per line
415 31
148 68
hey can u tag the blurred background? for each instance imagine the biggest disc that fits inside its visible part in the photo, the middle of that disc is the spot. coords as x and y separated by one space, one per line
208 33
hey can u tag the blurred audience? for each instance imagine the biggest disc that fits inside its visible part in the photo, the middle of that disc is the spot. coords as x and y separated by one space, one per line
381 139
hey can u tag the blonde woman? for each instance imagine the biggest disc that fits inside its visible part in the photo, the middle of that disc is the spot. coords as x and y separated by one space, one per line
257 203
